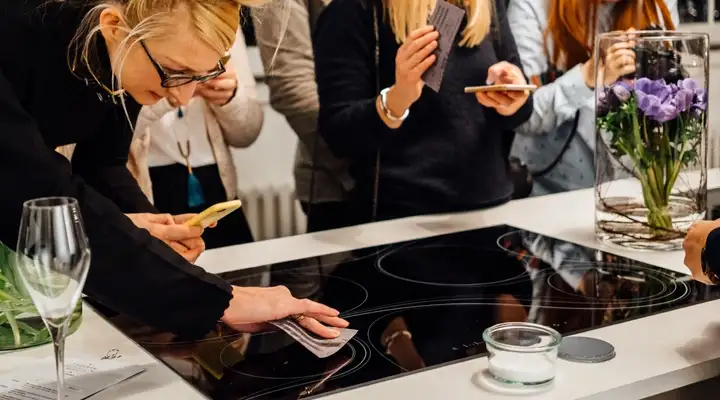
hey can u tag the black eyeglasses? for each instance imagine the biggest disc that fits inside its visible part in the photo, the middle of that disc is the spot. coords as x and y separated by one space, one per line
175 80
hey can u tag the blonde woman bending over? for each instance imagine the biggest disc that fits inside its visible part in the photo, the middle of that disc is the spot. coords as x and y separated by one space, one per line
181 153
76 71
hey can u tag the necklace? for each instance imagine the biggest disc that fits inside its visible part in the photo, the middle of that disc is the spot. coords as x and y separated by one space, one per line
113 94
195 192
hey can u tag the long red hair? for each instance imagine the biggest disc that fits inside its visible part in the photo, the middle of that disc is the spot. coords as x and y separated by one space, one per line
572 25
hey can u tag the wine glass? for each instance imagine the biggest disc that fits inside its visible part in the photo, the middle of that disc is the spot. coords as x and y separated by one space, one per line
53 257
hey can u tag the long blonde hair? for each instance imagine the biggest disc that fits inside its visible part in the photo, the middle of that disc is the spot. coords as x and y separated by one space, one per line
407 15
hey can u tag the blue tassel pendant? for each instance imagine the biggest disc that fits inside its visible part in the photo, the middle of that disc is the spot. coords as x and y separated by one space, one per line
195 192
196 197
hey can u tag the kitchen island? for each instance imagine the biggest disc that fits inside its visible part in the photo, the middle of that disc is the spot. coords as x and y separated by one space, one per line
655 354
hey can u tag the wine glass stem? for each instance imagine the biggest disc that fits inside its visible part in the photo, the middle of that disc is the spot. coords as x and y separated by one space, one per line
58 337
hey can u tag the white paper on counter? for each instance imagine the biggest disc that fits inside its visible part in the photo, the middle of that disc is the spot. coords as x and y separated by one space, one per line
83 378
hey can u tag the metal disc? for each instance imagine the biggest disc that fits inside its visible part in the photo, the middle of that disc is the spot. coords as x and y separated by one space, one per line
585 350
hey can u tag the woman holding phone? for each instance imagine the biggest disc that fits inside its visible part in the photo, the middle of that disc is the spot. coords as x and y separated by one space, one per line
556 39
413 150
74 72
180 154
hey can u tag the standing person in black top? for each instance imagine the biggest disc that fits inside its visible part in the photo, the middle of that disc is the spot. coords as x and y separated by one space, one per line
438 152
73 71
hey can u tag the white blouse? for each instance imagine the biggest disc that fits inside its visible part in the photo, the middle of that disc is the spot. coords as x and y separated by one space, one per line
170 130
240 120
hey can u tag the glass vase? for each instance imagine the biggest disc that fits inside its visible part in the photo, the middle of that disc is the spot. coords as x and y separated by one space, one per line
651 137
20 323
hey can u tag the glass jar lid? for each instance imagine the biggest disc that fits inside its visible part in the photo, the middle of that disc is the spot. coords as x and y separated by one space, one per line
522 337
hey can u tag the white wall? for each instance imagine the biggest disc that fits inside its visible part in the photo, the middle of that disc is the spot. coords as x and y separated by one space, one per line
269 161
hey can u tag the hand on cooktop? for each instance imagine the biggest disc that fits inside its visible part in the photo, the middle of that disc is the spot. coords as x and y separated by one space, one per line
251 307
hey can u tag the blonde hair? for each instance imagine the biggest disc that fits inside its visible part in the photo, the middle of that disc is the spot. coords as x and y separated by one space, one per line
215 22
408 15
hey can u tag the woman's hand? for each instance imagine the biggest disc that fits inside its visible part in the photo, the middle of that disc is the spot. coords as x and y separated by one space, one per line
185 240
219 91
694 243
619 61
413 58
505 103
251 307
189 249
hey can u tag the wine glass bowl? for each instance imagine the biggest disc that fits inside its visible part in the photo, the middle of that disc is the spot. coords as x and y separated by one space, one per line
53 258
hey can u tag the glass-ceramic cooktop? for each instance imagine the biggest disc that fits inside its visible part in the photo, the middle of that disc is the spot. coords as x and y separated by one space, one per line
445 291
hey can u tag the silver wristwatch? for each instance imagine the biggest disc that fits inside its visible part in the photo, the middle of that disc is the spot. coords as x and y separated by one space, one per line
386 110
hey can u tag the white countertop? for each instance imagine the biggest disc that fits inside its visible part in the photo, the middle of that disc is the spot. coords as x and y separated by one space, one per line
654 354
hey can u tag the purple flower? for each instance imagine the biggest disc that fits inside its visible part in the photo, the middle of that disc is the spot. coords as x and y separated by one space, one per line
656 100
689 84
603 106
622 91
657 88
683 99
699 93
700 101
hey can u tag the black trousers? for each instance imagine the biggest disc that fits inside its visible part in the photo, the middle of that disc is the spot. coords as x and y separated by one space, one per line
170 190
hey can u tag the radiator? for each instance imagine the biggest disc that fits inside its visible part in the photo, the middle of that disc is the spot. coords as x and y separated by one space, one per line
273 212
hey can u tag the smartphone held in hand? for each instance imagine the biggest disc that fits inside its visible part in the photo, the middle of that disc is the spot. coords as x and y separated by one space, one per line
500 88
214 213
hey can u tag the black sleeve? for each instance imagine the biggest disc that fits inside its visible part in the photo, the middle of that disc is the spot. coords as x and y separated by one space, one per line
130 272
344 46
507 51
102 163
712 251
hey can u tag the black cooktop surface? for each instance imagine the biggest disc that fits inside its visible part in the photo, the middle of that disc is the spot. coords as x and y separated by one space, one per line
444 290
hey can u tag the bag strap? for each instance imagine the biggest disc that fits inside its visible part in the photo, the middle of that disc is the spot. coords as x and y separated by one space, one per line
376 184
312 19
566 146
509 137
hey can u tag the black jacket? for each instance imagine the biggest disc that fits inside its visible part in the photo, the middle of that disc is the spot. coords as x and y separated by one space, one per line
449 154
43 105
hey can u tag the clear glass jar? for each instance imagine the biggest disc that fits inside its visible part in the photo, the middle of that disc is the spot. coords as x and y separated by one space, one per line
651 137
522 353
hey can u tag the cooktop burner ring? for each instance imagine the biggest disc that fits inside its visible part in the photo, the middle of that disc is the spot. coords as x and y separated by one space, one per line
379 266
668 285
456 347
359 353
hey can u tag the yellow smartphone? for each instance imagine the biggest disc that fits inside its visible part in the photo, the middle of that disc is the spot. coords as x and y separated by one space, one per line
500 88
213 214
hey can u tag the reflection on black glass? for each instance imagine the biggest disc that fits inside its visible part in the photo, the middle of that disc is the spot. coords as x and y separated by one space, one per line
419 304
